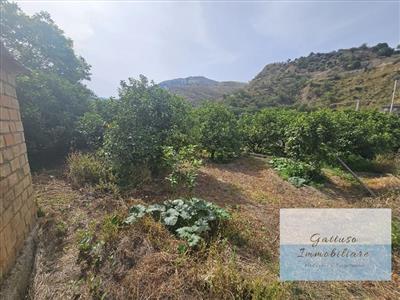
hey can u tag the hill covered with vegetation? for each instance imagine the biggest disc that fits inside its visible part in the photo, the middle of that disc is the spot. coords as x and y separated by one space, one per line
199 88
334 79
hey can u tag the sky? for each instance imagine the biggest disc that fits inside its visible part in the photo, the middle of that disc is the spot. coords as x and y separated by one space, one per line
222 40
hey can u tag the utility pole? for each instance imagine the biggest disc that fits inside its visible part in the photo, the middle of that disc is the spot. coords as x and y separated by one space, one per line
358 104
394 91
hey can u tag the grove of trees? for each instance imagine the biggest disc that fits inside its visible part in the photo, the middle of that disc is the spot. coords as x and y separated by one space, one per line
130 133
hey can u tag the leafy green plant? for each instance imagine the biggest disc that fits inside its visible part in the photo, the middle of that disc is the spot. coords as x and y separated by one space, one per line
52 97
90 248
94 123
110 227
296 172
184 165
218 132
264 131
92 242
91 126
190 219
147 118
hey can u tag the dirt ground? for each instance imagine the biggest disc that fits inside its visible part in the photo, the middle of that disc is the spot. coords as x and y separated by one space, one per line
143 261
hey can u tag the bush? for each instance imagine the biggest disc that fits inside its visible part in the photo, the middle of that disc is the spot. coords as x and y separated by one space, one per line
383 49
264 131
218 132
296 172
91 127
311 137
323 135
366 134
93 124
192 220
90 170
184 165
147 119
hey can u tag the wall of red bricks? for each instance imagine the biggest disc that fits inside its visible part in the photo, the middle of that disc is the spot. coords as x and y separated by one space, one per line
17 205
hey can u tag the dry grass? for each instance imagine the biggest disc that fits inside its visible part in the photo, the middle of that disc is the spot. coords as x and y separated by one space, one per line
142 261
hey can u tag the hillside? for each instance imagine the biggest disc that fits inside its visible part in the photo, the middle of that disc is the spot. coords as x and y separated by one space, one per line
334 79
199 88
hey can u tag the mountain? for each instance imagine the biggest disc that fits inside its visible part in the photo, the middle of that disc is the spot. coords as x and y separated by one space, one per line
198 88
335 79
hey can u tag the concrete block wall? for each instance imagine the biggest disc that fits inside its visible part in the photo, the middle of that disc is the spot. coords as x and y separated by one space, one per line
17 205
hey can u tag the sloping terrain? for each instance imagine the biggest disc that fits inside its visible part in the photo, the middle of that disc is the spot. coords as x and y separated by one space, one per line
334 79
197 88
143 260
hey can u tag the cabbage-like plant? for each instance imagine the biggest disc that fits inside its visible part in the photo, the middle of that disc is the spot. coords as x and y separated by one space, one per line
190 219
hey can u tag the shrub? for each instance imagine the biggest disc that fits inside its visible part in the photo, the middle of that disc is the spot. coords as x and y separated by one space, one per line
264 131
218 131
184 165
191 220
147 119
383 49
366 134
92 125
323 135
84 169
89 170
296 172
311 137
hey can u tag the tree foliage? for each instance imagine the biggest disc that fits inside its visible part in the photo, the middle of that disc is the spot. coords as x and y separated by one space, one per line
52 97
184 165
320 136
38 43
264 132
147 118
218 131
50 108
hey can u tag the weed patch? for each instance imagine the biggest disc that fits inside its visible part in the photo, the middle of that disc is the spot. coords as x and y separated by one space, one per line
296 172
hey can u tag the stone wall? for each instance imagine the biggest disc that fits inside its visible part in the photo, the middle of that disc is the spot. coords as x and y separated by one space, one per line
17 205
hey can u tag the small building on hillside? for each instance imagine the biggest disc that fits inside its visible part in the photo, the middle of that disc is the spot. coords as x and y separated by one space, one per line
17 205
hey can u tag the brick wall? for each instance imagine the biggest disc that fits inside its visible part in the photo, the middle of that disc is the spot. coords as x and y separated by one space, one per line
17 206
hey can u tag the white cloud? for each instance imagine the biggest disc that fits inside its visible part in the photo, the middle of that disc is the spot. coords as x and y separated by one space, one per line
125 39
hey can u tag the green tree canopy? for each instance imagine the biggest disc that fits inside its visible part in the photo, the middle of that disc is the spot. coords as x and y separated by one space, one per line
147 118
38 43
218 132
52 98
